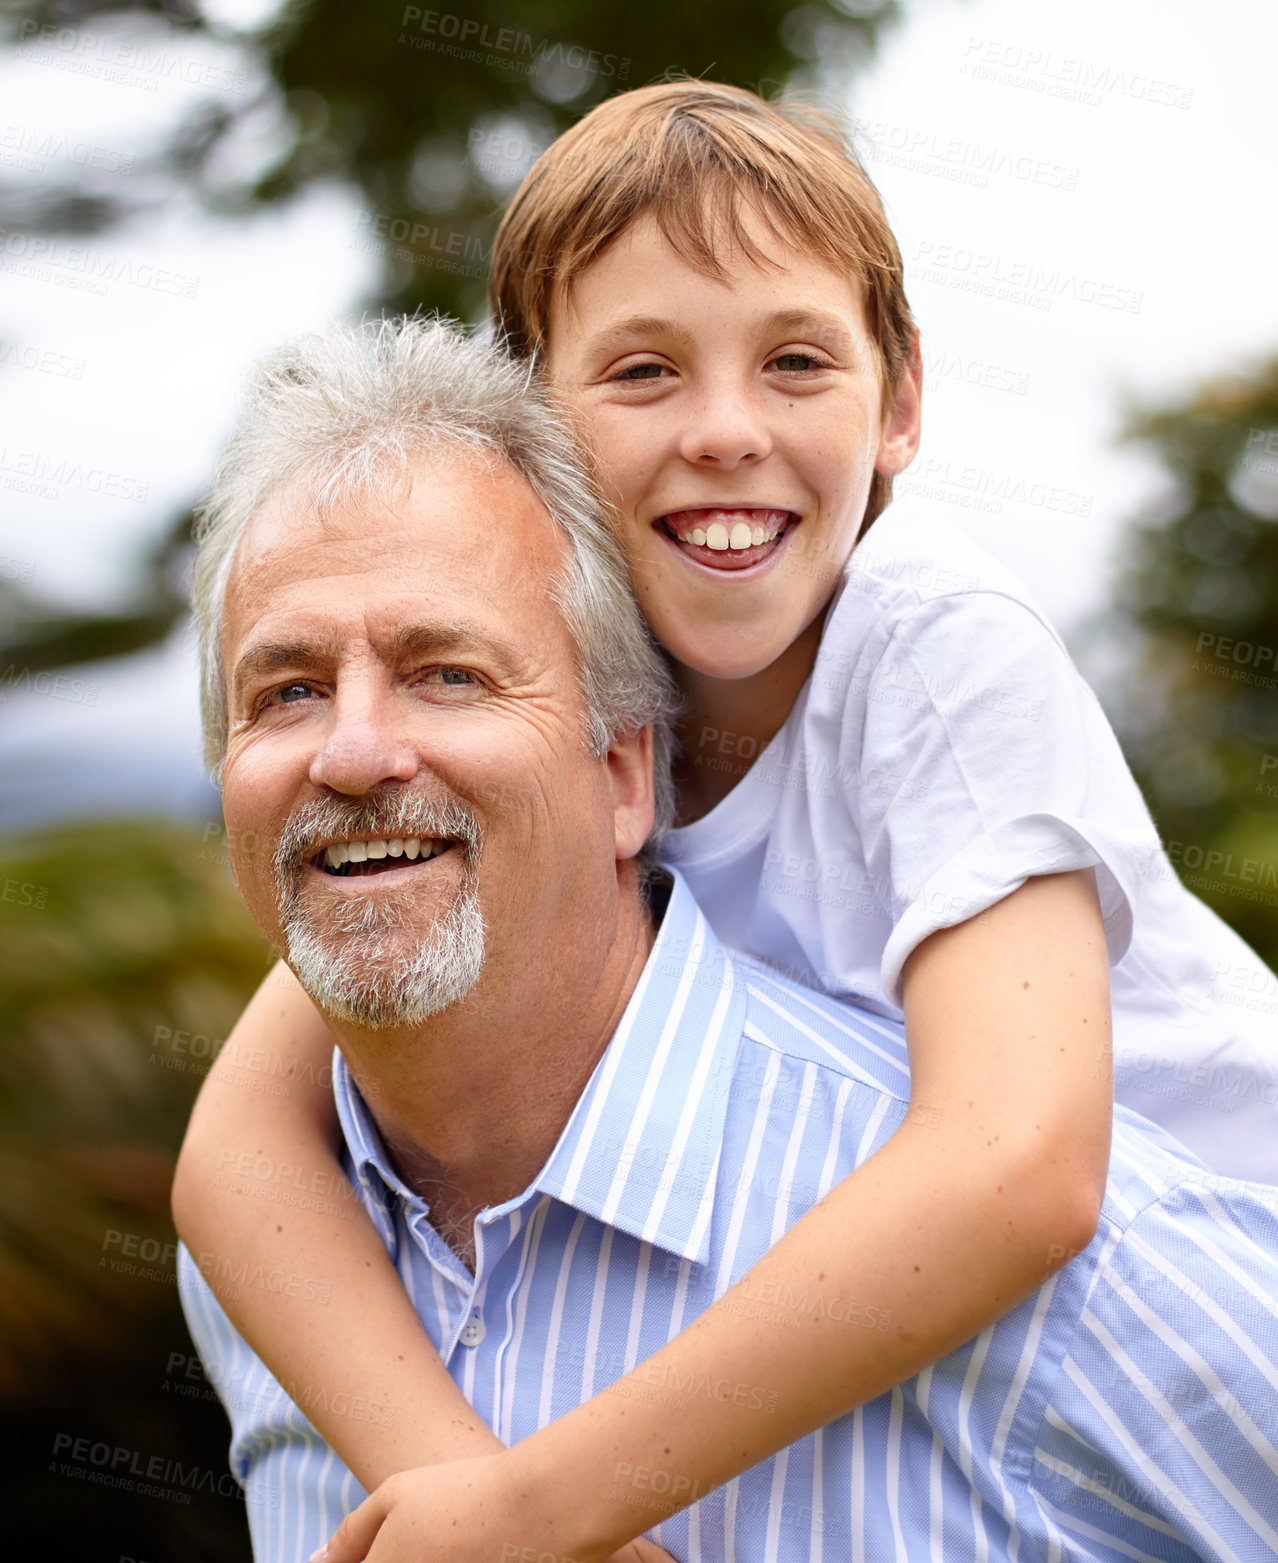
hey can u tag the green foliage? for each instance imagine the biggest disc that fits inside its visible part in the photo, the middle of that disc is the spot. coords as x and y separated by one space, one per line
1202 700
116 934
436 113
114 938
431 116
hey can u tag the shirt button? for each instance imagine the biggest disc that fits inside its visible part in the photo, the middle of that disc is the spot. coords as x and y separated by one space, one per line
473 1332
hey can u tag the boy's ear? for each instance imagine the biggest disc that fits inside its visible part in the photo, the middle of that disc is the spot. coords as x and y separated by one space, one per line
630 771
902 419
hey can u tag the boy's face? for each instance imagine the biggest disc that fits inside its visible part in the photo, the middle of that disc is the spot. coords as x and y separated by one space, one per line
738 423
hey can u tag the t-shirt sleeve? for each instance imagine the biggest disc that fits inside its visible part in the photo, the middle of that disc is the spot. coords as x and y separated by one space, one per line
983 759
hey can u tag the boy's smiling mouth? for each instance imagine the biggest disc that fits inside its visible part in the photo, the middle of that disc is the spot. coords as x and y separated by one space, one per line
728 537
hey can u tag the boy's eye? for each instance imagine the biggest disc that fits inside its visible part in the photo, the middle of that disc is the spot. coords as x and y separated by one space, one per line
797 363
642 372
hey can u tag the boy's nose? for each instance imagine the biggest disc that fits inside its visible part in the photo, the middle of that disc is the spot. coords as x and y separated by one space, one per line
726 431
362 748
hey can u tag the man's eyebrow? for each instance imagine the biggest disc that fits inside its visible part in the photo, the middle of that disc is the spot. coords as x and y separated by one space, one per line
277 656
451 640
273 656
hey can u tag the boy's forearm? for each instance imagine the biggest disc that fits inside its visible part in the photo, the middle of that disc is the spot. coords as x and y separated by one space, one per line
912 1255
259 1191
339 1334
960 1216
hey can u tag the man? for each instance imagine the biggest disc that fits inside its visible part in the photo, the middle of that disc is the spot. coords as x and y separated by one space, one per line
615 1117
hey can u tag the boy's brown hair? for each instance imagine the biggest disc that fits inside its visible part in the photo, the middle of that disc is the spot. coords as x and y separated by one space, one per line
691 154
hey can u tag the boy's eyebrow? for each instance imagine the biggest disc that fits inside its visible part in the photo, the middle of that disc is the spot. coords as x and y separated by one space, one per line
804 320
642 326
800 321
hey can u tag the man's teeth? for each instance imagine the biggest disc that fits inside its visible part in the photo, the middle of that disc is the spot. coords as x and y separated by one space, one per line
398 846
741 536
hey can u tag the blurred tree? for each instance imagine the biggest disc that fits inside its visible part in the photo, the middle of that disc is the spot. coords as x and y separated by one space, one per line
114 935
1198 704
431 116
116 941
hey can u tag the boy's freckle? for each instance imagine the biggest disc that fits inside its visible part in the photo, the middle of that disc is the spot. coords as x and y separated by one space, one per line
1025 985
916 1269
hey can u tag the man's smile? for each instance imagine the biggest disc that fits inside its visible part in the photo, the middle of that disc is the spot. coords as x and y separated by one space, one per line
375 855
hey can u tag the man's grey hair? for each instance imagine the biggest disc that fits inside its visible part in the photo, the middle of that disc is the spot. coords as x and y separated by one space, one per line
346 410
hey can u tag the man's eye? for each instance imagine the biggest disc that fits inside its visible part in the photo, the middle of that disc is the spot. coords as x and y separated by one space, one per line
291 692
457 677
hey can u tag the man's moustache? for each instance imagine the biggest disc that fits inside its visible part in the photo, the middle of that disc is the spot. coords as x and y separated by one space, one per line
400 813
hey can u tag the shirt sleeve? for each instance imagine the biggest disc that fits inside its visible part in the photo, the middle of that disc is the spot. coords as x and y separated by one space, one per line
296 1490
984 760
1162 1432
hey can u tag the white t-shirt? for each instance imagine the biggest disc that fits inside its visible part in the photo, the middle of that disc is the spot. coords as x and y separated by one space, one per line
944 750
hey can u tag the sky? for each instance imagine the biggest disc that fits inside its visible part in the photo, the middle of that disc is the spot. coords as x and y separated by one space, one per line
1083 199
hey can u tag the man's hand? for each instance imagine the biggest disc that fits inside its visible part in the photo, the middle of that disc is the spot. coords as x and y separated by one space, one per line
465 1511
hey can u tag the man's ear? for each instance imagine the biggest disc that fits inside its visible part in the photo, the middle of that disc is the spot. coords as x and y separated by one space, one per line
902 419
630 772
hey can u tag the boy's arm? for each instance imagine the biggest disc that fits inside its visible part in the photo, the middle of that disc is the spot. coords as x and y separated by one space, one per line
966 1210
961 1215
244 1149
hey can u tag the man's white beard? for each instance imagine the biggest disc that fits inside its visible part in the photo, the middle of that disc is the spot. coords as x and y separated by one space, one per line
363 961
358 969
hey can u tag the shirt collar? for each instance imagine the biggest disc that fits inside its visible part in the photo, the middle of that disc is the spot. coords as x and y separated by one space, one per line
641 1148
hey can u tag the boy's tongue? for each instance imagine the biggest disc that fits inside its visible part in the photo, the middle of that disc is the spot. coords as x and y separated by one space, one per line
727 539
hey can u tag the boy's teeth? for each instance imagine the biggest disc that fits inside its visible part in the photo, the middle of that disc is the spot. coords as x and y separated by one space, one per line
398 846
736 530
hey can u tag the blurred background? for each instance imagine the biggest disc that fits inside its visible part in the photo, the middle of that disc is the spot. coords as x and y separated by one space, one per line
1083 196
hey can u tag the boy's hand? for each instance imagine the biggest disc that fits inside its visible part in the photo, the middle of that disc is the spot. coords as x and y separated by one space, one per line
464 1511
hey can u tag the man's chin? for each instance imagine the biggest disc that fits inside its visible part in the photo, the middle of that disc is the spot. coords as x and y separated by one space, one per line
392 974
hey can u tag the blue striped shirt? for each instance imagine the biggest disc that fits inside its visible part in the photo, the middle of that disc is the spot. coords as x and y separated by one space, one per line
1127 1410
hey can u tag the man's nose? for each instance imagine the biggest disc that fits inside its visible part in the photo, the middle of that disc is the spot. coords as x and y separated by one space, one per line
728 429
363 746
